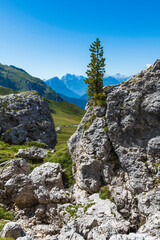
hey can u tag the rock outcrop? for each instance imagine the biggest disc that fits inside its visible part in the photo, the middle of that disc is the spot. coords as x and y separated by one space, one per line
12 230
43 185
118 145
26 117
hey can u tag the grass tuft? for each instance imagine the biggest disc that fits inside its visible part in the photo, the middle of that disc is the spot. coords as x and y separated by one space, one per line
105 193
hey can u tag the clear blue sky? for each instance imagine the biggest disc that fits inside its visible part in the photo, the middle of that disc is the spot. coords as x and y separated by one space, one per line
50 38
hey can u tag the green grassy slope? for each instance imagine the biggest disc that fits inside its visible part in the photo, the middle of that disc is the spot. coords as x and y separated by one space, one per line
65 113
6 91
18 79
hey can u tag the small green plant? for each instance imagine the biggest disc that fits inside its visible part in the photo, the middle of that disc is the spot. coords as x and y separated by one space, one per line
9 130
113 213
156 165
105 193
106 129
100 99
88 206
72 210
156 182
6 215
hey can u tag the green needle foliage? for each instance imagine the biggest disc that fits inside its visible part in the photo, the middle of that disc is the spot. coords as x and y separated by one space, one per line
96 70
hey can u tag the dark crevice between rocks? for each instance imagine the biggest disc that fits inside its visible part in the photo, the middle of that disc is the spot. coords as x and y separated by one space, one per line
114 160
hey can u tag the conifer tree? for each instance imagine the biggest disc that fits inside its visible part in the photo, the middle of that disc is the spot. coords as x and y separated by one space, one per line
96 70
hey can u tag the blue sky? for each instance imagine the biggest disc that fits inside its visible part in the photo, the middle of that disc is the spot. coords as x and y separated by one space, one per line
51 38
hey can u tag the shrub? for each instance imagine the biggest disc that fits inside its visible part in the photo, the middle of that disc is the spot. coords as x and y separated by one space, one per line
100 99
105 193
6 215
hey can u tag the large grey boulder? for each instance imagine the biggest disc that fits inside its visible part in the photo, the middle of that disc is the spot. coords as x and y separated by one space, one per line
12 230
48 184
26 117
16 185
32 153
15 167
20 189
132 116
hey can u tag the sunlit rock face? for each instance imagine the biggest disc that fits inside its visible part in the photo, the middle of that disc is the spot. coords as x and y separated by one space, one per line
26 117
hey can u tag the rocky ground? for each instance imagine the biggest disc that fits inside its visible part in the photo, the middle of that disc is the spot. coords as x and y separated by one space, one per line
116 164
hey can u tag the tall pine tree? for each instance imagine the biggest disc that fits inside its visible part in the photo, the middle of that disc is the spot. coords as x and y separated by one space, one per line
96 70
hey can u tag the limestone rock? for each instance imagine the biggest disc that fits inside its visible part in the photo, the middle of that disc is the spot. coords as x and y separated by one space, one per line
90 148
25 238
16 166
48 184
20 190
119 145
16 186
152 225
12 230
26 117
132 236
32 153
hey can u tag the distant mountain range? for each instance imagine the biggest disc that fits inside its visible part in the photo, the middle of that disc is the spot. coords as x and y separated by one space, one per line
73 89
70 87
73 86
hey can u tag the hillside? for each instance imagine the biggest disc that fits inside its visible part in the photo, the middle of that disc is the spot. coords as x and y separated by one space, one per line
80 102
65 113
6 91
17 79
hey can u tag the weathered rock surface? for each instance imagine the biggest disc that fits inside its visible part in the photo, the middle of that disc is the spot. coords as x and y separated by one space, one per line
25 238
26 117
12 230
119 145
90 149
48 184
132 236
32 153
25 189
